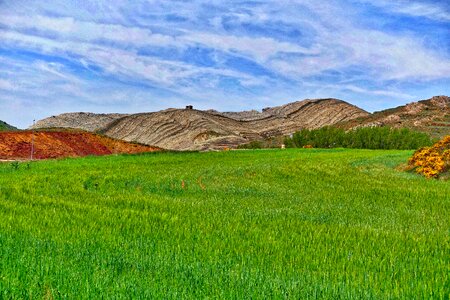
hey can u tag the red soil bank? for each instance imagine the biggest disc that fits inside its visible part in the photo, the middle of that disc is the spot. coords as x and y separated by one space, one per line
55 144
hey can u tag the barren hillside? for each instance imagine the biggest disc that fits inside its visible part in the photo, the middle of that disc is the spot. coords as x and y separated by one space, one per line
180 129
189 129
79 120
431 116
54 144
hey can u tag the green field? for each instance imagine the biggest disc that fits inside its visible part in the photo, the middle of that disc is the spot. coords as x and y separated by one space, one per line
294 223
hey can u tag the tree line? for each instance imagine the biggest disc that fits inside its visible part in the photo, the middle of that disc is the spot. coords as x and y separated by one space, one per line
361 138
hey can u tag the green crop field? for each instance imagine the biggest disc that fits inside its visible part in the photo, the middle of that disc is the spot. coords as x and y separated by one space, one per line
294 223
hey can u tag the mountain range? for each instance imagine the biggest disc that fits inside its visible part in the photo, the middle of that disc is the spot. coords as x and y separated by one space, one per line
192 129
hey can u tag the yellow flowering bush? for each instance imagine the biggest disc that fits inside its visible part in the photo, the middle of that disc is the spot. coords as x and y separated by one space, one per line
432 161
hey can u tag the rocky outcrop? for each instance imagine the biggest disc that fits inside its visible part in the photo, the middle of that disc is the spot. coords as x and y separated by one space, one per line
176 129
247 115
431 116
190 129
79 120
308 113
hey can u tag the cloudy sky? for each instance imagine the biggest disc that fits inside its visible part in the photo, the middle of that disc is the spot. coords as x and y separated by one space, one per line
119 56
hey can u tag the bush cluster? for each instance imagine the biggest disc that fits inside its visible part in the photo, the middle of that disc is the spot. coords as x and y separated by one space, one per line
432 162
361 138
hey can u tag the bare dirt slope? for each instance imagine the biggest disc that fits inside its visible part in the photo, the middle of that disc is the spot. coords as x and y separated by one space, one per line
186 129
431 116
55 144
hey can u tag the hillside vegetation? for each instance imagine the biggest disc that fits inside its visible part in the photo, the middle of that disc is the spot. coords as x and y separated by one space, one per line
294 223
433 161
360 138
5 126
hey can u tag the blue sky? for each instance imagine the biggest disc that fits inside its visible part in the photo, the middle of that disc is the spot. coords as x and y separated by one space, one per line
136 56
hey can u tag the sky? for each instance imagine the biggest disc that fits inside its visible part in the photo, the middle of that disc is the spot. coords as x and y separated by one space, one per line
148 55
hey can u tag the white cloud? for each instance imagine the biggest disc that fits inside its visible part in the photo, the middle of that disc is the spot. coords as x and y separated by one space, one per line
393 57
89 32
55 69
431 10
360 90
69 29
7 85
261 49
338 44
116 61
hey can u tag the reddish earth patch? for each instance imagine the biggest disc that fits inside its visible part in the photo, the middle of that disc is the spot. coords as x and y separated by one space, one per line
56 144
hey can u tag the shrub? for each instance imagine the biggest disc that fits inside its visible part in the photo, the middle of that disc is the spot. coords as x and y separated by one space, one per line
432 162
363 138
15 165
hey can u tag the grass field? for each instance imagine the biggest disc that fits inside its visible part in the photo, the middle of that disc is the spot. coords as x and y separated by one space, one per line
297 224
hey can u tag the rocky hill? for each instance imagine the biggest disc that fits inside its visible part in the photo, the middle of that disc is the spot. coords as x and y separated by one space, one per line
431 116
189 129
5 126
63 143
79 120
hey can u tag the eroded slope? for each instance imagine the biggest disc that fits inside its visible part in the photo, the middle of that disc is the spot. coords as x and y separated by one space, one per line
188 129
79 120
196 130
55 144
431 116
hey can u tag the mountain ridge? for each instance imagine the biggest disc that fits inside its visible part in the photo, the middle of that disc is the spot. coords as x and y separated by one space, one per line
192 129
431 116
